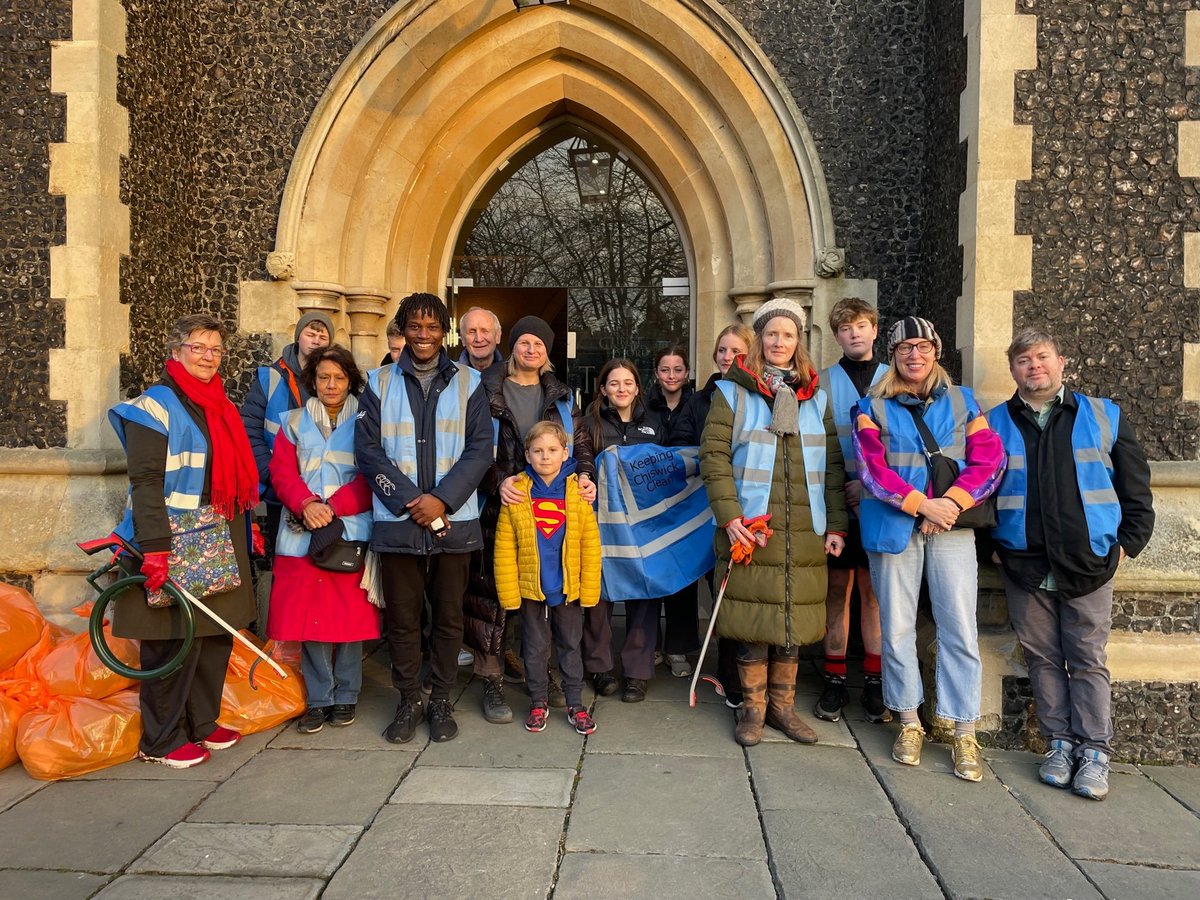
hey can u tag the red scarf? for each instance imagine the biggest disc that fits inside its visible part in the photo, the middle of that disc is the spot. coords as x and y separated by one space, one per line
234 473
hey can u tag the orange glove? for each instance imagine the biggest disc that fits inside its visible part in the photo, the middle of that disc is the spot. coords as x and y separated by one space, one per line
742 554
258 544
156 568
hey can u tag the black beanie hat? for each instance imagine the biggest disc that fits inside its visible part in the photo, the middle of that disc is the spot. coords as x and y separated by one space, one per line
535 326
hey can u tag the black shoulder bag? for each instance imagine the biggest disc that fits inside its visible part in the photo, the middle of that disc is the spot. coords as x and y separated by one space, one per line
943 472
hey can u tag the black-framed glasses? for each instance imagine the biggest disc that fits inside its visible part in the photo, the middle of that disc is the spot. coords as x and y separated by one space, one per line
205 350
907 349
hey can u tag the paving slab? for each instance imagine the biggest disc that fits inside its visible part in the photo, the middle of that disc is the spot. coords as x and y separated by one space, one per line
664 686
1142 882
616 876
42 885
833 734
220 765
16 785
663 729
1182 784
978 839
846 855
93 826
815 778
1138 823
208 887
665 804
307 787
376 709
195 848
452 851
487 787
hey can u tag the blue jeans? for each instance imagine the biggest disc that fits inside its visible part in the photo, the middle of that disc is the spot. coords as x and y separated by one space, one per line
948 564
332 672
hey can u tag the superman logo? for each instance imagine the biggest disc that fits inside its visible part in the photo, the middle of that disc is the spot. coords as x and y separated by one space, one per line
549 516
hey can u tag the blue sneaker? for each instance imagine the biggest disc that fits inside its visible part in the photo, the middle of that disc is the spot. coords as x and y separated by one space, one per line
1059 765
1091 778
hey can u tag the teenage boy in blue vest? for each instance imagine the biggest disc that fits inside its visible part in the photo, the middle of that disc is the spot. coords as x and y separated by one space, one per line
423 439
1074 502
854 324
277 389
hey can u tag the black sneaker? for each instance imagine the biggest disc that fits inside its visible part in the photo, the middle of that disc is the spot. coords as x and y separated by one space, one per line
833 698
605 683
558 700
313 719
404 726
442 726
342 715
495 710
872 700
635 690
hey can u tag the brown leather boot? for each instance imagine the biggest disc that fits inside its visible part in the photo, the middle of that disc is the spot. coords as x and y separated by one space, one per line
754 703
781 709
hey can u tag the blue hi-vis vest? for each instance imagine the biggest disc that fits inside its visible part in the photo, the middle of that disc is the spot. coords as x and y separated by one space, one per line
398 431
843 396
280 401
159 409
563 406
886 529
754 450
325 466
1092 440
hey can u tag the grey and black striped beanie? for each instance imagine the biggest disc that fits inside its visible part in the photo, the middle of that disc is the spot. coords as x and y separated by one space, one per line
912 328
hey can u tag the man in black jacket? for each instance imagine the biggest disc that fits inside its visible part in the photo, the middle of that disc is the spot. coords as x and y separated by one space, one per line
423 440
1074 502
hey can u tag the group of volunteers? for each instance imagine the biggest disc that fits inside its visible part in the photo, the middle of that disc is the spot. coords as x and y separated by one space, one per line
475 488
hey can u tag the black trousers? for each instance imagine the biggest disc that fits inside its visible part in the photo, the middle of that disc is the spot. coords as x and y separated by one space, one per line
406 581
183 707
681 612
751 652
562 625
641 637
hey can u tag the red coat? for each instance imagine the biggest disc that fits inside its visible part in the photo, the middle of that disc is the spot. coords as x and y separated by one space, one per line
309 603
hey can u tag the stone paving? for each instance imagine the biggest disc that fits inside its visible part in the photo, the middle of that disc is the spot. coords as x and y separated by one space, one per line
658 802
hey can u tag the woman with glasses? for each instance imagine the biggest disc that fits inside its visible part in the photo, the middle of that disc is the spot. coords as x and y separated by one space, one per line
191 472
909 534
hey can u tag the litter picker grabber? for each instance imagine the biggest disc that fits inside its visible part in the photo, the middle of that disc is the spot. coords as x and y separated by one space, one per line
183 598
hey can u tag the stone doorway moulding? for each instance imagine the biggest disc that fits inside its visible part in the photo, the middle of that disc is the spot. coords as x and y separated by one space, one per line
441 93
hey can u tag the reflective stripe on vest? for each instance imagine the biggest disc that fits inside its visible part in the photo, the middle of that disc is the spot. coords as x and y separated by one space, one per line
843 397
1092 438
325 466
279 401
886 529
753 449
398 431
159 410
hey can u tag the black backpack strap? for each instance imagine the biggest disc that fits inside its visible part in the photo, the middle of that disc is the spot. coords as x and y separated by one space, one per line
931 445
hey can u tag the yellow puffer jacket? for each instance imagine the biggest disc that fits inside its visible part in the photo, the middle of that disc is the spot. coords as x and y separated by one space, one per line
518 563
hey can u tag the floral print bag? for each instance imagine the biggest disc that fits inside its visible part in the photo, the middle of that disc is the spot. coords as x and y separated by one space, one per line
202 558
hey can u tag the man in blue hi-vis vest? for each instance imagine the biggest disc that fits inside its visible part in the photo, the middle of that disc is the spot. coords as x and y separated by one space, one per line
1074 502
423 440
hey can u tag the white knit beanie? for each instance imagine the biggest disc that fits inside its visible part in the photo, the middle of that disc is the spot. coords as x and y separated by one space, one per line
780 306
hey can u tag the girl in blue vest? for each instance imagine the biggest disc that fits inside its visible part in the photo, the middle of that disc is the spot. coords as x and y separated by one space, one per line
909 534
189 458
315 475
769 447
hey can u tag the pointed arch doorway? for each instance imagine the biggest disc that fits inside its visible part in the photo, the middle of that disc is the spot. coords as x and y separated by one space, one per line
442 94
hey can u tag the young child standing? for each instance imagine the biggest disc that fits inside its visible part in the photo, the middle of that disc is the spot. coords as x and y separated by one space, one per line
547 564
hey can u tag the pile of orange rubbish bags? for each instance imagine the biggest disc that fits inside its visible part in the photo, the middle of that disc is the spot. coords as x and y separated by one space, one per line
63 713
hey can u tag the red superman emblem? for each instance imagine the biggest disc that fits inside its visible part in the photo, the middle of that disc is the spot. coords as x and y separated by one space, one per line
549 516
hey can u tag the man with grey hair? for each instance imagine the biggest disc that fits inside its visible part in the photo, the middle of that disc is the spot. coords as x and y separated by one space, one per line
1074 502
479 333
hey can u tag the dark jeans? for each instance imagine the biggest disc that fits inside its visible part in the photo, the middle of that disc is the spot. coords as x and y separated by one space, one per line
183 707
406 580
539 624
681 610
641 637
1065 640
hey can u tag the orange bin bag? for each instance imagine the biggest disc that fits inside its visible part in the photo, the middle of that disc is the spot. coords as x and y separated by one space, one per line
10 713
20 624
73 668
277 699
78 735
285 652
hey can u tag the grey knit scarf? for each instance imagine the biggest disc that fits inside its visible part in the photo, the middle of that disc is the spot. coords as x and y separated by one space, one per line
785 412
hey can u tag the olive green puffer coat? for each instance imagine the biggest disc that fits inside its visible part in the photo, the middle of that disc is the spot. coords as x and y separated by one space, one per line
779 598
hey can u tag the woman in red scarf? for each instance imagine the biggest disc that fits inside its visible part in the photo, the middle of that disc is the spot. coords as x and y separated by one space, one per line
189 457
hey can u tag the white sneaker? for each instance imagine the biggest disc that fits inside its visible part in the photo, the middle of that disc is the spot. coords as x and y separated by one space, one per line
680 667
465 658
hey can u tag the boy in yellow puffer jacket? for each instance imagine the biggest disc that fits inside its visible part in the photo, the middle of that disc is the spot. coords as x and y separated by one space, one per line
547 564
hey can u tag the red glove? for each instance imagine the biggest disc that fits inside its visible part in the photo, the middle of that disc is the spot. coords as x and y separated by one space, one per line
155 566
258 544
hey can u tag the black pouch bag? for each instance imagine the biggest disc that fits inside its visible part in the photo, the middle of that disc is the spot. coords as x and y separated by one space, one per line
329 550
943 472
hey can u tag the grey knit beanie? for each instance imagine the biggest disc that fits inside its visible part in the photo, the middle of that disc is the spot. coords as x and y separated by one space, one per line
315 317
912 328
780 306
